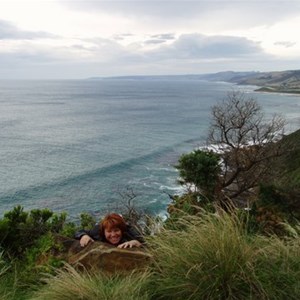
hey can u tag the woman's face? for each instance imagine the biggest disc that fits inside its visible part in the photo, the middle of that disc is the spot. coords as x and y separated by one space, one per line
113 235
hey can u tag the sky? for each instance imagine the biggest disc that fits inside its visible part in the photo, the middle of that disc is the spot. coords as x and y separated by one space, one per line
78 39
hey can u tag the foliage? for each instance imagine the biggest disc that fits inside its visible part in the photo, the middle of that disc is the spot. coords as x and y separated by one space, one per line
27 239
87 221
190 203
69 229
201 169
215 258
3 265
206 256
19 230
13 283
70 284
273 210
40 254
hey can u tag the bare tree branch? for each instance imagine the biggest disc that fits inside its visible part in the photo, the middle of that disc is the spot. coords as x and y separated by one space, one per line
248 141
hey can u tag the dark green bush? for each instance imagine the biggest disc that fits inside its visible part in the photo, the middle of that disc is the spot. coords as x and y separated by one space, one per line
201 169
87 221
19 230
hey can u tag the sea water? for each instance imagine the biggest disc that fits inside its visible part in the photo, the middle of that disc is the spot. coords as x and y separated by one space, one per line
79 145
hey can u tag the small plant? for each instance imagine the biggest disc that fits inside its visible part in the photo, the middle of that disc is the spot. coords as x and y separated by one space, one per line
87 221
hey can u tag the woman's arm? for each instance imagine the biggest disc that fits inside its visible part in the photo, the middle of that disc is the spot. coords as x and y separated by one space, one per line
87 236
133 238
85 239
130 244
133 234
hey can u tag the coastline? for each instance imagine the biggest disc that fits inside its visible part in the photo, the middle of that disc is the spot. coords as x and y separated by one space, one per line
266 89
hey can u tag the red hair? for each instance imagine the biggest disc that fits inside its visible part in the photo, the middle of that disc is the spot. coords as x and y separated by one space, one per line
111 221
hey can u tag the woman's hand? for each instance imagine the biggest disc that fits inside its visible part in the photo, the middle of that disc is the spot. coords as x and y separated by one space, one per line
85 239
130 244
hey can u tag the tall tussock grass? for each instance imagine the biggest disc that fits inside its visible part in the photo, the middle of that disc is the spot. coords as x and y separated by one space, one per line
70 284
215 258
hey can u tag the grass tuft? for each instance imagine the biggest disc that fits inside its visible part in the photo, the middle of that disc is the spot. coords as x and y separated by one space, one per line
69 284
214 258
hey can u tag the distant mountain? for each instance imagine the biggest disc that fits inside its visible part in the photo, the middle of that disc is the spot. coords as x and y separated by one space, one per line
154 77
282 82
221 76
228 76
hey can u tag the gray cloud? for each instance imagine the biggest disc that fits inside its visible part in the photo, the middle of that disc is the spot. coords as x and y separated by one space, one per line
121 37
155 41
190 53
108 47
189 46
10 31
285 44
197 46
164 36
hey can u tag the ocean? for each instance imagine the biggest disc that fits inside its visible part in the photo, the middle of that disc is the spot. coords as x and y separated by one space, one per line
78 145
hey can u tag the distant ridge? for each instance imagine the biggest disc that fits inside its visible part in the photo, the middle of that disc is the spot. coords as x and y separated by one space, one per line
279 82
220 76
154 77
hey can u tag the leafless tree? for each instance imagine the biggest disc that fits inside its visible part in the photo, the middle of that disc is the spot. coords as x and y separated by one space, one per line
126 205
246 140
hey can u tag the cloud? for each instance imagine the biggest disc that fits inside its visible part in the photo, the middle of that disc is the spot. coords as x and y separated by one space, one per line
121 37
197 46
155 41
109 57
12 32
164 36
179 12
152 37
285 44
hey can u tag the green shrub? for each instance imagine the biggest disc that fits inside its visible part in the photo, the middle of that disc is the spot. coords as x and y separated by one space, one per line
19 230
87 221
284 199
39 252
201 169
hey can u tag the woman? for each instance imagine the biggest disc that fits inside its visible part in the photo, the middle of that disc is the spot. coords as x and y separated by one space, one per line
113 230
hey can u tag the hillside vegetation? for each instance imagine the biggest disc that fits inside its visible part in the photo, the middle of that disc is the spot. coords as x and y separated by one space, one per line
287 167
279 82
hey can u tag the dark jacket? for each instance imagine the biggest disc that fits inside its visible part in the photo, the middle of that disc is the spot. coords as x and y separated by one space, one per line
130 234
